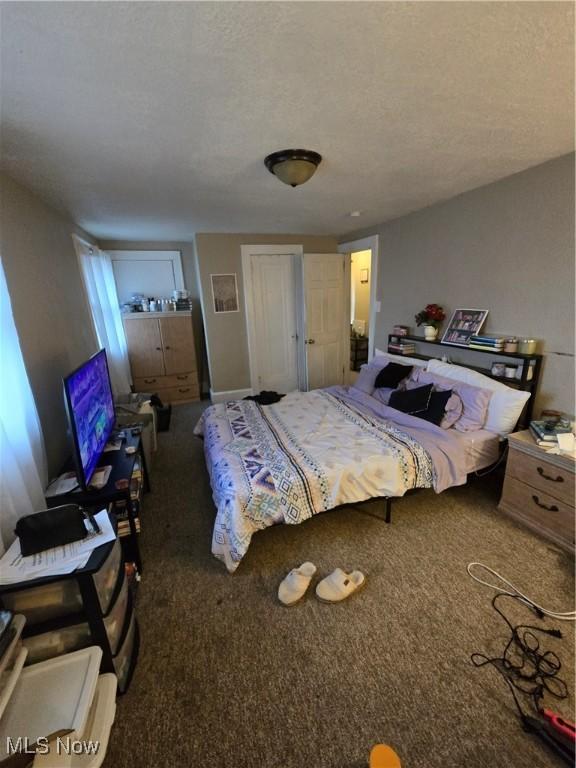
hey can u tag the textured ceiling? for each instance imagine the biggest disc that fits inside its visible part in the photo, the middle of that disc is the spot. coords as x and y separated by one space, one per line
152 120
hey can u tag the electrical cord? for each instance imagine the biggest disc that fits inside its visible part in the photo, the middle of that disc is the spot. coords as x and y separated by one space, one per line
513 591
527 669
523 665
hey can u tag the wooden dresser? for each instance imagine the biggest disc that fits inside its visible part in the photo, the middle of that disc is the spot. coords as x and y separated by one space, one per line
162 354
539 490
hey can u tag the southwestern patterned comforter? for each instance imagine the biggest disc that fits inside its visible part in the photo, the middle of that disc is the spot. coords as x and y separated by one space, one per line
311 452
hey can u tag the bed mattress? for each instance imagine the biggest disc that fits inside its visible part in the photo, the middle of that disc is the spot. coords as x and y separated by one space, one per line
481 448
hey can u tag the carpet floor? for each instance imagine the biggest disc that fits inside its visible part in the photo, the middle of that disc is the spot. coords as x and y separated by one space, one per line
228 677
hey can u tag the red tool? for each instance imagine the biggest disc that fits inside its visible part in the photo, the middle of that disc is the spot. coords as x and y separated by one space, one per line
565 728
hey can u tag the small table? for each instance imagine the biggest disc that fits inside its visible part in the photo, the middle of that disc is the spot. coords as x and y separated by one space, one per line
122 464
539 490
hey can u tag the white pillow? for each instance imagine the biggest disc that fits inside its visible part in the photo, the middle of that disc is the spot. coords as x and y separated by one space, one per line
505 405
385 357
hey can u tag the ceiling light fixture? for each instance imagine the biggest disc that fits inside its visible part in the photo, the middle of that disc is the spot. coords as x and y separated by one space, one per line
293 166
354 214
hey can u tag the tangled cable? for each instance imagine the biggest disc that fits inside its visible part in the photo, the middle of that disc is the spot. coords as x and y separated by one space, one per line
523 665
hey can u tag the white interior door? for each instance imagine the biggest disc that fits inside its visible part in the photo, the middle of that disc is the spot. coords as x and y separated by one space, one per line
274 335
326 293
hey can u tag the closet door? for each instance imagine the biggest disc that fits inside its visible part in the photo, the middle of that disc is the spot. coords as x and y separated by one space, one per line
178 343
144 347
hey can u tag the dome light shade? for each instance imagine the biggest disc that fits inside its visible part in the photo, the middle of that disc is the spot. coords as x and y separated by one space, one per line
293 166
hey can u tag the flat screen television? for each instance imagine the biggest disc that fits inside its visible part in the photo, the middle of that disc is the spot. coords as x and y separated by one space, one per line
90 407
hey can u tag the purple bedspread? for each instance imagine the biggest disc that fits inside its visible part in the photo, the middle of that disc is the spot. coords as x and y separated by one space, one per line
443 445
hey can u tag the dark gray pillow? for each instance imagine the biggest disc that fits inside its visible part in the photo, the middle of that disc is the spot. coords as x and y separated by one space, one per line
391 375
412 401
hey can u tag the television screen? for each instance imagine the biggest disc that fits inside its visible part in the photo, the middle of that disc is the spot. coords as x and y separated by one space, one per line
90 408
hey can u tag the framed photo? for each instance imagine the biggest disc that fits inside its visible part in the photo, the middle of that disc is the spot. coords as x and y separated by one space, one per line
363 275
225 293
463 324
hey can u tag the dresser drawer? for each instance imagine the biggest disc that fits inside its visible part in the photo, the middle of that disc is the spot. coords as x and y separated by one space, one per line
153 383
539 510
542 475
183 392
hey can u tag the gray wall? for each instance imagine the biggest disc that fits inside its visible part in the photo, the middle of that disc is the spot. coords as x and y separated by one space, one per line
507 247
190 282
50 310
226 333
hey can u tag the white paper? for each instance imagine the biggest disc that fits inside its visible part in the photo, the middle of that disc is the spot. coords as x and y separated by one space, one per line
57 561
567 443
63 484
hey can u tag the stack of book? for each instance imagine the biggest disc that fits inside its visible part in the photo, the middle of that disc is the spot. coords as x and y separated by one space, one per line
545 433
490 343
400 346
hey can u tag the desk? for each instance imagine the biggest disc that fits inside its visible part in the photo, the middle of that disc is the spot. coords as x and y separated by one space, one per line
123 465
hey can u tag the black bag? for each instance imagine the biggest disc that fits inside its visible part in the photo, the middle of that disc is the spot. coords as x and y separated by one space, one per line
51 528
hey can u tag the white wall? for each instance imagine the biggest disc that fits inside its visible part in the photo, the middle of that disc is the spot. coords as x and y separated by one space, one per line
50 310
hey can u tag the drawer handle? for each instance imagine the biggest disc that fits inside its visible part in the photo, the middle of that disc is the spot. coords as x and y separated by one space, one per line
149 381
184 389
159 349
553 508
543 474
182 378
166 347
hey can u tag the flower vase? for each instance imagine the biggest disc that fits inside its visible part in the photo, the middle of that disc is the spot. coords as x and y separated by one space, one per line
430 332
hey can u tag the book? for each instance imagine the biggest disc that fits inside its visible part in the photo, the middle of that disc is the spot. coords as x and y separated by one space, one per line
546 431
487 339
540 442
484 347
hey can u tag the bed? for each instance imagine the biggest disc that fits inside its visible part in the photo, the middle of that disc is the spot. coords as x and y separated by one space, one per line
314 451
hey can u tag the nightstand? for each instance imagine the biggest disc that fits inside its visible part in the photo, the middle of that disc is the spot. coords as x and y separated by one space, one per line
539 490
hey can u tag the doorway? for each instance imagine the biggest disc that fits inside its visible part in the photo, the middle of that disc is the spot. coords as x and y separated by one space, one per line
360 263
363 303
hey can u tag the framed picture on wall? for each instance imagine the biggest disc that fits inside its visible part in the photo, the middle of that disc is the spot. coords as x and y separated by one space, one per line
463 324
225 293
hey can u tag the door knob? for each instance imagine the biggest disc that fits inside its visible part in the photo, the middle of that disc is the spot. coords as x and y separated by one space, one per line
310 341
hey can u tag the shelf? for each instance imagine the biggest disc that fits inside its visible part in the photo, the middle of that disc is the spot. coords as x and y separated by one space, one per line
422 340
478 369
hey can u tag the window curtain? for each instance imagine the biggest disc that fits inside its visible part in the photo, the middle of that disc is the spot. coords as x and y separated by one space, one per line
23 471
96 268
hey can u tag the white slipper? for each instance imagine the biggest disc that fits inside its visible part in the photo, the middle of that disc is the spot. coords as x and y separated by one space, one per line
339 585
293 587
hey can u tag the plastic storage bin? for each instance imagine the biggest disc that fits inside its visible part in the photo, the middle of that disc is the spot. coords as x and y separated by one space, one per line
55 643
61 598
72 638
52 696
114 622
97 729
123 660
